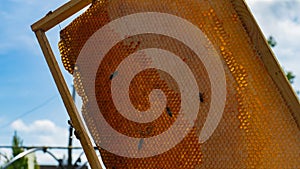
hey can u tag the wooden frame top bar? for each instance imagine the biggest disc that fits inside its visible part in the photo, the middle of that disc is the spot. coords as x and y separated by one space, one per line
270 62
59 15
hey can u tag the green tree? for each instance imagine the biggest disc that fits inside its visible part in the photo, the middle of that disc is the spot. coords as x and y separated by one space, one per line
271 41
36 166
17 144
290 76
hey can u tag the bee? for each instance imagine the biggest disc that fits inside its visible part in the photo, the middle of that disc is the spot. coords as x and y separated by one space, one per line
140 145
201 97
169 112
113 75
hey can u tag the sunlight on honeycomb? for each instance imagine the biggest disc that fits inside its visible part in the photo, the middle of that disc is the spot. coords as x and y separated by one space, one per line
257 129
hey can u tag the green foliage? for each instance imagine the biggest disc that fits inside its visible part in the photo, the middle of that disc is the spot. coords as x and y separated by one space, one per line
17 144
271 41
36 166
290 76
21 163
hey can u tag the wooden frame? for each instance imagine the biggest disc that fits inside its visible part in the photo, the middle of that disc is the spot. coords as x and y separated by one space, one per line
40 27
268 58
73 6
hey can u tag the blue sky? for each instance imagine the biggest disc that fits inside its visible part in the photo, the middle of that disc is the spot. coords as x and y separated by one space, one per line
29 100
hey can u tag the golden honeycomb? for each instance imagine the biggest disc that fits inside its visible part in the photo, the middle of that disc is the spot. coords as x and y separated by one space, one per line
256 130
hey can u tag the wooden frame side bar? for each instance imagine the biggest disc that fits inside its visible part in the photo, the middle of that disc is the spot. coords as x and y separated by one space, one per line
68 100
40 27
267 56
59 15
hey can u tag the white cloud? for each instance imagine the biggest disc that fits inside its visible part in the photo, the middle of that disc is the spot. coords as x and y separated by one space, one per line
41 132
281 19
45 133
39 125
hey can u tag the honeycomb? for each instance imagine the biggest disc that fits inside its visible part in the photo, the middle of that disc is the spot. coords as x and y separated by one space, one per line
256 129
